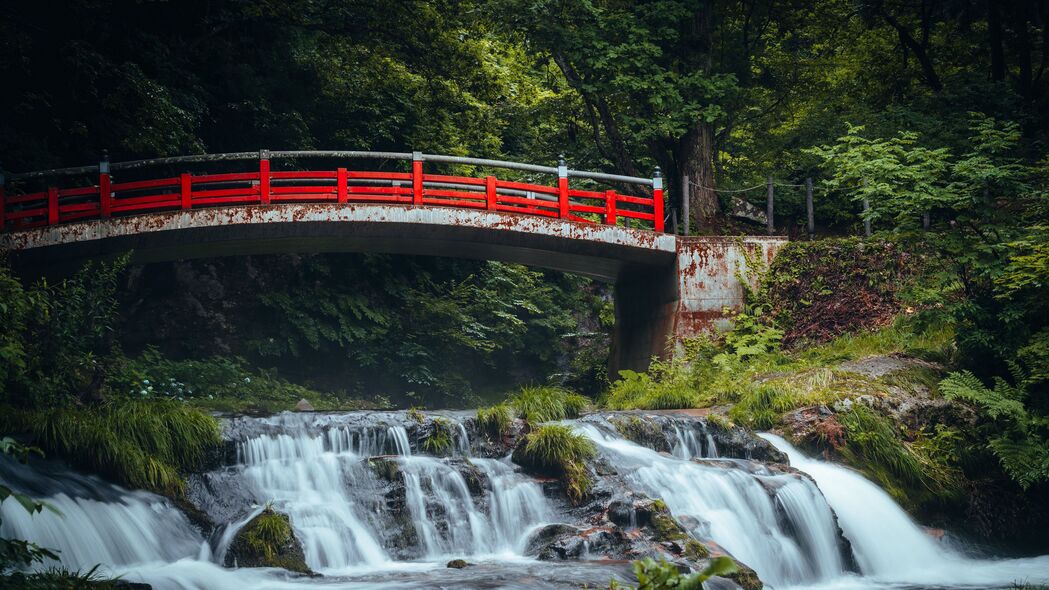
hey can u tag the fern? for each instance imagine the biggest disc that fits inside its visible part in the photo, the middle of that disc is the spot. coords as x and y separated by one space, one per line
1004 401
1019 439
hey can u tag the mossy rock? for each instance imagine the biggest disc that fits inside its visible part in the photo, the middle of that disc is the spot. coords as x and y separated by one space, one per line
268 540
694 550
386 468
457 564
643 432
746 578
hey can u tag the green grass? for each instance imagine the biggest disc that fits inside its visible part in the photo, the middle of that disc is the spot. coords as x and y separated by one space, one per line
495 421
144 444
267 535
874 446
547 404
554 449
438 439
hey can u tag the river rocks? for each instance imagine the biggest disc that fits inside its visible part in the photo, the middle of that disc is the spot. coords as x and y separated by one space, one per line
268 540
686 435
457 564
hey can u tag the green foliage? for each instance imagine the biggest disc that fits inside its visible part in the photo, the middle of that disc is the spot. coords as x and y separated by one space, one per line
438 439
59 579
16 552
547 404
1017 436
496 420
422 331
874 447
666 386
140 443
653 575
554 449
267 533
222 384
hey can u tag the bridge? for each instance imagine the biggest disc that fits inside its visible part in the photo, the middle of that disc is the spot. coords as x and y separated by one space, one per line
606 226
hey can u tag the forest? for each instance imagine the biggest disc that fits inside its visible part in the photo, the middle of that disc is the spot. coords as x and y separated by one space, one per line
905 337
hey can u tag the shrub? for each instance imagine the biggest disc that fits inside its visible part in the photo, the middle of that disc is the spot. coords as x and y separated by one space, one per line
554 449
547 404
496 420
671 389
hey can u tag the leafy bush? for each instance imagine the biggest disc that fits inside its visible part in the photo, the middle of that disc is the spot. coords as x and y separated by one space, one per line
653 575
554 449
666 386
1018 437
547 404
140 443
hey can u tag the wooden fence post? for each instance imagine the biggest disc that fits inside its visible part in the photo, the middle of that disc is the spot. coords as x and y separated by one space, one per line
809 207
769 208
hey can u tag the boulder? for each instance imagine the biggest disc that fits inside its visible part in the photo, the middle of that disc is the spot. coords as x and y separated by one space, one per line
304 406
457 564
268 540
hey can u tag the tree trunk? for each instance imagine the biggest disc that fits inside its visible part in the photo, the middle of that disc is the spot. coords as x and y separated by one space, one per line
695 159
994 31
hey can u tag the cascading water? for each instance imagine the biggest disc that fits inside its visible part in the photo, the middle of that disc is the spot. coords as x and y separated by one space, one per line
732 507
333 476
888 545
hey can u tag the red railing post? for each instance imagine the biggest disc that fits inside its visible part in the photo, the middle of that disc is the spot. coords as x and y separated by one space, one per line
185 190
489 192
52 205
562 187
340 185
264 177
105 195
657 200
417 178
610 207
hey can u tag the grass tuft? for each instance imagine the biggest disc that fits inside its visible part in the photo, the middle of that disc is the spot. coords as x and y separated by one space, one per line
496 420
547 404
140 443
554 449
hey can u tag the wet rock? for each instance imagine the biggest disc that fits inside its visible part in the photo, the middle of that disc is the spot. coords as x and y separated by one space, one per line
268 540
386 468
457 564
304 406
541 543
746 578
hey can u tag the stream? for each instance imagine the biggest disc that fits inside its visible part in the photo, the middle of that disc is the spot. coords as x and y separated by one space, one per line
361 527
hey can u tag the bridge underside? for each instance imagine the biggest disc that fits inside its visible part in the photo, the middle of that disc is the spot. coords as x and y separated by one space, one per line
667 287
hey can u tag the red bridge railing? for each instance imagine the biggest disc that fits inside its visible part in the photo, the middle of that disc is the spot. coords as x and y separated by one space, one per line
258 184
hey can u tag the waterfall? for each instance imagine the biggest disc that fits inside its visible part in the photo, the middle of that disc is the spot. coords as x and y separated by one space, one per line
307 479
733 508
339 478
888 545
